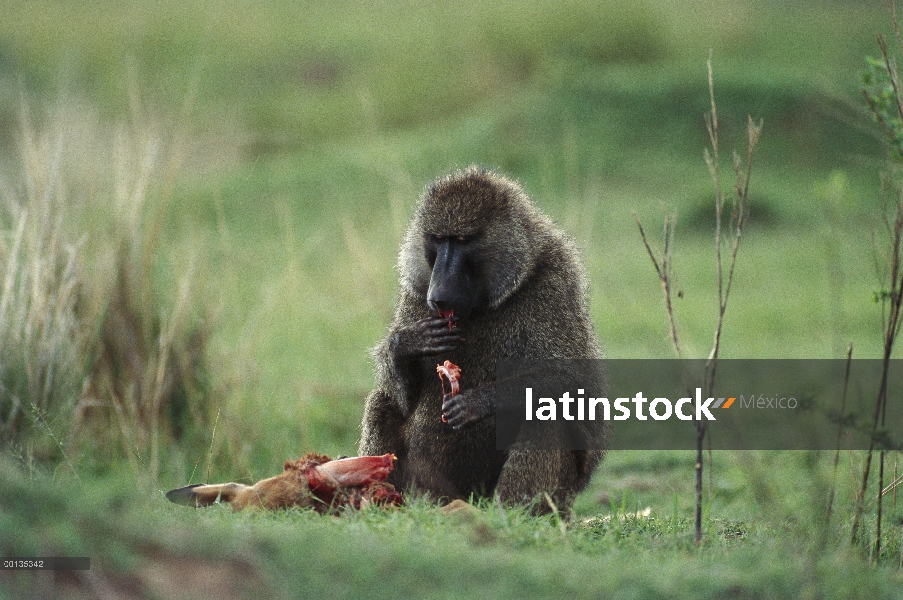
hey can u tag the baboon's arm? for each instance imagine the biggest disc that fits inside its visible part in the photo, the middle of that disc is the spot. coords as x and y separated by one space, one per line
382 427
469 407
430 336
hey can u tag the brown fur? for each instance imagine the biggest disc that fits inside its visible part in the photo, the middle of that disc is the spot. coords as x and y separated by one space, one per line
530 303
286 490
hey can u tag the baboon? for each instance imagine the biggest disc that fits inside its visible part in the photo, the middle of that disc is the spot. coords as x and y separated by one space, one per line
478 248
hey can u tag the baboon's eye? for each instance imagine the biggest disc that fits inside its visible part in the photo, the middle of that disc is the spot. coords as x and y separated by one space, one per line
463 239
439 239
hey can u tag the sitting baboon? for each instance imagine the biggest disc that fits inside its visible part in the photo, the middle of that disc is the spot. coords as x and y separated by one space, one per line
507 284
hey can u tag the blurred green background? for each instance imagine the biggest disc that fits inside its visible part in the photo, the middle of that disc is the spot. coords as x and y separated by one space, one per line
247 168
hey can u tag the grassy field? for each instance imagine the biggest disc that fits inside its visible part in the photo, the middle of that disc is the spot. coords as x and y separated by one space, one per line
208 199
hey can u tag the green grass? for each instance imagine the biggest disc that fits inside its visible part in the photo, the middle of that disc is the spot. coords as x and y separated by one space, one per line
307 132
139 542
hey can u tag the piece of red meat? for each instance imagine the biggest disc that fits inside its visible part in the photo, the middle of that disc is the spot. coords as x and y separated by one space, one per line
452 372
448 315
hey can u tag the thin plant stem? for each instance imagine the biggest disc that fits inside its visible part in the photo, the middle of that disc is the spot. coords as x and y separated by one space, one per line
843 408
664 270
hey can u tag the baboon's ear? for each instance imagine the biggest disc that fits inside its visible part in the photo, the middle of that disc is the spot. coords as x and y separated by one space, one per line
186 496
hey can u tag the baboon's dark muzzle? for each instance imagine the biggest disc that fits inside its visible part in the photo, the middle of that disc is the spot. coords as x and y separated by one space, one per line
451 283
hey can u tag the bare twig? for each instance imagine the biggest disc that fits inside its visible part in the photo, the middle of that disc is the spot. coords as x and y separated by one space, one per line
893 485
664 271
892 9
724 285
891 297
663 266
843 409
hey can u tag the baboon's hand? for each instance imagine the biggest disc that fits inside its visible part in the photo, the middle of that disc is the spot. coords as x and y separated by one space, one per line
464 409
429 336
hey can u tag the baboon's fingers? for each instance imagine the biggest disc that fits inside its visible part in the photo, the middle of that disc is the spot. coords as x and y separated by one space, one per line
442 332
436 346
455 413
430 326
439 350
433 321
427 337
465 409
446 335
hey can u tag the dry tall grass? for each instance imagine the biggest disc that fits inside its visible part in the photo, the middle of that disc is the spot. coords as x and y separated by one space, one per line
94 355
42 342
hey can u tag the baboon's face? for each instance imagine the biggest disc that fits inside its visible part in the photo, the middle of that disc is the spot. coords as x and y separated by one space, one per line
456 275
471 243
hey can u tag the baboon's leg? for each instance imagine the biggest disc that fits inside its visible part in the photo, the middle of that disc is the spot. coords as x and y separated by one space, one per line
383 431
530 474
